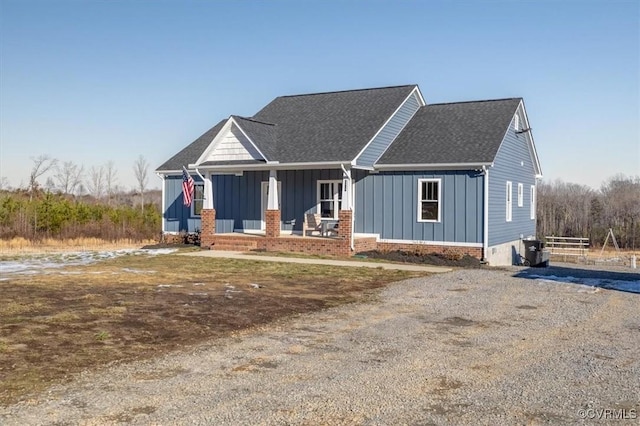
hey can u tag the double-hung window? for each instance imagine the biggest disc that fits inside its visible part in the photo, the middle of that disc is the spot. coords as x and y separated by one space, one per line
329 198
520 195
428 200
533 202
509 200
198 199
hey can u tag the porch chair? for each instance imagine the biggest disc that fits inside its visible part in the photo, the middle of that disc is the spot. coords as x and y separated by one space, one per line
311 223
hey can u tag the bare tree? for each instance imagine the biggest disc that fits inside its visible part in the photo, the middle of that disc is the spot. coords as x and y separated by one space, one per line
141 170
570 209
4 184
110 179
41 165
68 177
95 185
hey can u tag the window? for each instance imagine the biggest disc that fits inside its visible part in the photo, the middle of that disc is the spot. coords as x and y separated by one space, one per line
198 199
533 202
516 122
509 200
520 195
428 200
329 198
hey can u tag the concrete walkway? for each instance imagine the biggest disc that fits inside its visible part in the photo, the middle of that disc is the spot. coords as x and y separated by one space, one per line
313 261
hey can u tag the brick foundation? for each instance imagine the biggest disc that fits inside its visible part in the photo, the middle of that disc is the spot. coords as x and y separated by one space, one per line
365 244
427 249
208 224
339 247
272 223
314 245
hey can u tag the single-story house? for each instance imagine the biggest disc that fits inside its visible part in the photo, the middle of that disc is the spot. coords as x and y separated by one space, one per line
388 170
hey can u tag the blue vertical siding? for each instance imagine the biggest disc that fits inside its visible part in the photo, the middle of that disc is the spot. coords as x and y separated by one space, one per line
386 204
238 204
177 217
513 163
390 131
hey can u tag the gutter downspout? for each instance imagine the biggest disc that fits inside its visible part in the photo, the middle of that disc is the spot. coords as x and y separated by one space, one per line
485 232
345 173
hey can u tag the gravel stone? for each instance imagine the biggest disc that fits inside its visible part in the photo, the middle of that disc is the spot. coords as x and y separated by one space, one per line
468 347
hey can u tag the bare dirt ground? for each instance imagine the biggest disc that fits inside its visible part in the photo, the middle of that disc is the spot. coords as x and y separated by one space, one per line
471 347
55 323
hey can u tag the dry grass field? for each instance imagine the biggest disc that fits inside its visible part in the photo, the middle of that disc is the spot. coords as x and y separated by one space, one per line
59 322
21 245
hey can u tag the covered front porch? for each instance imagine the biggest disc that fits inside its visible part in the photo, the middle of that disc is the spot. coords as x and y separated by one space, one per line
289 243
265 210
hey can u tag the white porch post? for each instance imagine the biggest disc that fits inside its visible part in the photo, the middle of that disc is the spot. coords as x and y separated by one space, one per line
346 189
272 200
208 192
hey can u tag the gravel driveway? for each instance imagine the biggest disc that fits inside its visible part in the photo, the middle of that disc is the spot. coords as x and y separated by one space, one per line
467 347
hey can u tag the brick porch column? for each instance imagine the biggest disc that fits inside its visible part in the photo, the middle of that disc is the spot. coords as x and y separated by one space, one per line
272 223
208 227
345 224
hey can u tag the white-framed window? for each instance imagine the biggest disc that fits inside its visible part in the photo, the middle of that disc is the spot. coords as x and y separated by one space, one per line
533 202
509 200
520 195
429 197
516 122
329 198
198 199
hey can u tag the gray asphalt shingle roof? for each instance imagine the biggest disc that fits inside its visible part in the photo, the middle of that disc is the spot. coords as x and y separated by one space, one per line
335 126
463 132
331 126
262 134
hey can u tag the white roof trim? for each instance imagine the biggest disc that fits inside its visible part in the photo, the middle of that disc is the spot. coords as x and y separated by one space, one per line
433 166
529 138
420 100
273 166
216 140
532 145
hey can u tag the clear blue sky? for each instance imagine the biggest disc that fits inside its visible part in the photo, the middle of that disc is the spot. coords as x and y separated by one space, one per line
92 81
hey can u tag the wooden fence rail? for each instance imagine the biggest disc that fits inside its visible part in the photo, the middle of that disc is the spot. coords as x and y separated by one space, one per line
567 246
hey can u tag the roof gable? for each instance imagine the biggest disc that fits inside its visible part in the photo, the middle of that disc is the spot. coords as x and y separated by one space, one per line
332 126
192 151
454 133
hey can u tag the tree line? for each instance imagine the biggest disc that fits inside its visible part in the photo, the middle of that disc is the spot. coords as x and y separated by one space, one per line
45 214
74 202
574 210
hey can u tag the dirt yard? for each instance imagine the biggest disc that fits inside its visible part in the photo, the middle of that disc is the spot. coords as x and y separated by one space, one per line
57 322
469 347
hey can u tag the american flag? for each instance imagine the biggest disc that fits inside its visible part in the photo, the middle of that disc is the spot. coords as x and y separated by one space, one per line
187 187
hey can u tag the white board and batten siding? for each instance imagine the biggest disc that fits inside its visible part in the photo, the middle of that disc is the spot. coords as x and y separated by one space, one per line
232 146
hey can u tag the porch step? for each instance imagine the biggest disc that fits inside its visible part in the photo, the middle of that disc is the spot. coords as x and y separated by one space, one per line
234 245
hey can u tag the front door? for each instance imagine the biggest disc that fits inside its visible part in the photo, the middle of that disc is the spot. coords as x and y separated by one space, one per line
264 201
